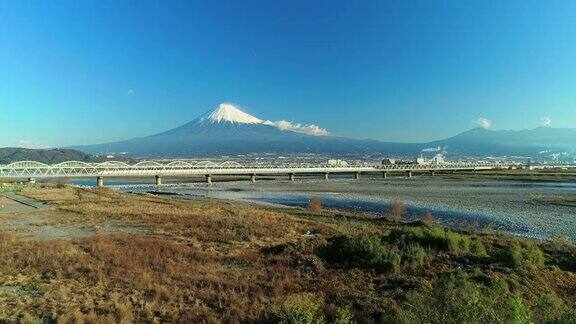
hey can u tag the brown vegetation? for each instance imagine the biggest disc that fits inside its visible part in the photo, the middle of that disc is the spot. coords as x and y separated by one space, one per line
315 204
428 219
204 261
397 209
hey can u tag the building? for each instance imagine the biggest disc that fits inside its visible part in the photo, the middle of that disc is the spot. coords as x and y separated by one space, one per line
337 163
388 161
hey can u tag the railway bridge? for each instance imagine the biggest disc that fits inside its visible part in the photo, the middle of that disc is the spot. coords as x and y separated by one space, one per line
31 170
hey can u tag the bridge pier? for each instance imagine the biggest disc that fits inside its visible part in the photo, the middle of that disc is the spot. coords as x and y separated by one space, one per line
291 175
357 175
432 173
326 175
384 175
31 180
209 179
99 182
409 174
253 177
158 180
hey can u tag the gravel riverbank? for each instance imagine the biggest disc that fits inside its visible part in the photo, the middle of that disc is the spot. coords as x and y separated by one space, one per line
508 206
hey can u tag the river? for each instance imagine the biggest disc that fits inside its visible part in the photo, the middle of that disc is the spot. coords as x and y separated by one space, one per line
504 206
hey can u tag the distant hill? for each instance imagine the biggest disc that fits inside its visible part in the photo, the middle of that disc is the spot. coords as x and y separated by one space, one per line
527 142
48 156
228 130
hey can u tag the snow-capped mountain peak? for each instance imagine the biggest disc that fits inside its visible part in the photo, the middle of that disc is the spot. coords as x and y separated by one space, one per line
228 113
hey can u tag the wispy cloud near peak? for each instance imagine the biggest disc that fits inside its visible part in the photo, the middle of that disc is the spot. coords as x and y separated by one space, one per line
545 121
309 129
483 122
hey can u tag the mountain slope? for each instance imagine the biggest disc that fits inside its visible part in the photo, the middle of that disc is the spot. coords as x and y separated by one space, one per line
528 142
223 130
228 130
48 156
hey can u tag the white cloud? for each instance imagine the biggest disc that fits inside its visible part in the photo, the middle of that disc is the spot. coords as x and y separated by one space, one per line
483 122
30 144
309 129
545 121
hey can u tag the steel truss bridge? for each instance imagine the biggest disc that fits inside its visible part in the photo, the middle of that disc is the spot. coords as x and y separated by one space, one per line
76 169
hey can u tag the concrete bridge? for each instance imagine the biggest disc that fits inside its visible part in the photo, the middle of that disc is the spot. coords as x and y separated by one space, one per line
31 170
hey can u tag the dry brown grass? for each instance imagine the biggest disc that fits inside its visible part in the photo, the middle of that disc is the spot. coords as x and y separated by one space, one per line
428 219
200 261
6 202
397 209
315 204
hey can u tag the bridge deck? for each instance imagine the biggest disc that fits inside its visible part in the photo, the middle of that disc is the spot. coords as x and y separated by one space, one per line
76 169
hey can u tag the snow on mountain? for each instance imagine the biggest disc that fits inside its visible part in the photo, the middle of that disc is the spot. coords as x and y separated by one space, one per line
229 113
228 130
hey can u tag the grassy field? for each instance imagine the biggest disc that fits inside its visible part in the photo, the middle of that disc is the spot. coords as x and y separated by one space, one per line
204 261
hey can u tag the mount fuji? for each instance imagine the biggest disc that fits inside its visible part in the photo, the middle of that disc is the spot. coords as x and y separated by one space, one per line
225 123
228 130
221 131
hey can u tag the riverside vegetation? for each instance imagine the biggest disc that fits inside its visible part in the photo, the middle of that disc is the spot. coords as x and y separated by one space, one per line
207 261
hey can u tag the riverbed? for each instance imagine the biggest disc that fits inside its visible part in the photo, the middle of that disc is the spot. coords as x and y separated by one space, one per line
503 206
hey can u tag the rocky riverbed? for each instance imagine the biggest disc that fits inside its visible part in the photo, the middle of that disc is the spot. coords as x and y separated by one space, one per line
508 206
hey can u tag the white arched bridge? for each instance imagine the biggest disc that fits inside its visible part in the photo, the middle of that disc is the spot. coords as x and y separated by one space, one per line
76 169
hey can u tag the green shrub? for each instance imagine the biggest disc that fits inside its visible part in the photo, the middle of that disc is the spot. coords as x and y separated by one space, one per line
515 255
433 237
11 187
530 256
477 247
414 255
392 261
436 238
452 242
457 243
458 299
304 308
518 312
344 316
534 256
550 308
363 251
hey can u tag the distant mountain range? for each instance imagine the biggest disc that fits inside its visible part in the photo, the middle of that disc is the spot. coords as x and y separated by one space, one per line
228 130
48 156
528 142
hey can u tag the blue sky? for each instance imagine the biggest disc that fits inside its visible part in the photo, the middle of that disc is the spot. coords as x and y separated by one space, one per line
79 72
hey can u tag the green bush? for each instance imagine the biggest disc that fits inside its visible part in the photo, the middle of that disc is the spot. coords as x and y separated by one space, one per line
515 255
414 255
344 316
534 256
518 312
433 237
458 299
11 187
477 247
363 251
550 308
440 239
304 308
530 256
